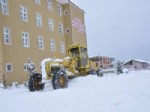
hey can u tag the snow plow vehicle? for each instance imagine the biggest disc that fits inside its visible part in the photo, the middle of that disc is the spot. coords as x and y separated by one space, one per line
59 71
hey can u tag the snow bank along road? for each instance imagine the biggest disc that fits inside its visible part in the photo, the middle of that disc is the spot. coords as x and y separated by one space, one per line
111 93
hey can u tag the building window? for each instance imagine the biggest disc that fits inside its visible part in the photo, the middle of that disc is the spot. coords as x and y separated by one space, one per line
100 58
25 39
62 47
59 9
38 20
131 62
40 43
4 6
49 5
52 45
25 66
51 24
9 67
23 13
60 26
7 36
38 2
0 5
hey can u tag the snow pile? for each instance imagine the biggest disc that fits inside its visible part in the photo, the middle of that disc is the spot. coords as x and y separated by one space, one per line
1 85
111 93
55 60
43 63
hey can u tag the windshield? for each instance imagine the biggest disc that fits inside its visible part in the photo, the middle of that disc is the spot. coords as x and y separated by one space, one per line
74 52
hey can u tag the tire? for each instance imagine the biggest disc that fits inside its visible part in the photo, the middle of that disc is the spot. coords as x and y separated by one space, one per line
99 73
34 83
93 72
59 80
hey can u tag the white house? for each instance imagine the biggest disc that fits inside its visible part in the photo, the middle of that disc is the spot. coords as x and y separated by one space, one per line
136 64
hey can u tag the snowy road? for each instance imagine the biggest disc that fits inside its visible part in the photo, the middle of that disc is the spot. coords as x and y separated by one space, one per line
111 93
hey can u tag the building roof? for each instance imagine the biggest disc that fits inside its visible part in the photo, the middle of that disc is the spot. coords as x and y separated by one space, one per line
63 1
139 60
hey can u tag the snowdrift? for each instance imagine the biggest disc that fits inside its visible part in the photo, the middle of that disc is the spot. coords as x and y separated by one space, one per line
111 93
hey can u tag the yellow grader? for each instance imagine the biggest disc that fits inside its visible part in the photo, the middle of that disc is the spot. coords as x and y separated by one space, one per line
59 71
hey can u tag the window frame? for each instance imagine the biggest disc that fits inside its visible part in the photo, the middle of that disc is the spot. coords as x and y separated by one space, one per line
59 9
38 2
23 10
25 39
11 67
52 45
61 28
5 7
51 24
50 5
25 66
0 5
7 35
40 42
62 47
39 20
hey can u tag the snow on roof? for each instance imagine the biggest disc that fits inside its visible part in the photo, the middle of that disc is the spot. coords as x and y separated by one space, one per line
63 1
139 60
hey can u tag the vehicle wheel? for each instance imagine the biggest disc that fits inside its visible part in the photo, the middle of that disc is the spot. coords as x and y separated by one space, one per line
93 72
99 73
59 80
35 83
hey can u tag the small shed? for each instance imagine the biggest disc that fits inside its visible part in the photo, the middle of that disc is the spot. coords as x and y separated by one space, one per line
136 64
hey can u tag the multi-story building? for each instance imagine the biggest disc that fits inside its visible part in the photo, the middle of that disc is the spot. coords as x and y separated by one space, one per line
103 61
36 29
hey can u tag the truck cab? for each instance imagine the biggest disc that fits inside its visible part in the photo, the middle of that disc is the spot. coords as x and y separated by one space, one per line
80 53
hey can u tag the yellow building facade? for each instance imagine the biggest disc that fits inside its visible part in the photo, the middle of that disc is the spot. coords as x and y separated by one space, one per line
36 29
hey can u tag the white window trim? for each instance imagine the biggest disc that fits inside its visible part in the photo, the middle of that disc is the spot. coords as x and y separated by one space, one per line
61 29
50 5
40 42
4 35
28 40
62 47
7 8
39 22
7 67
0 6
52 46
51 24
38 2
59 9
25 66
23 7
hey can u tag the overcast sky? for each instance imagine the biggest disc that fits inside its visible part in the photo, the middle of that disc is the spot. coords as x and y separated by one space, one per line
117 28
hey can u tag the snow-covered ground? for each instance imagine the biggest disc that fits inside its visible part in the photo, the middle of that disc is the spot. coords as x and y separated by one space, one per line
111 93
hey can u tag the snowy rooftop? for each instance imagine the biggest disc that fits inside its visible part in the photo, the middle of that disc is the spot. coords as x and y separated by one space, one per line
63 1
139 60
